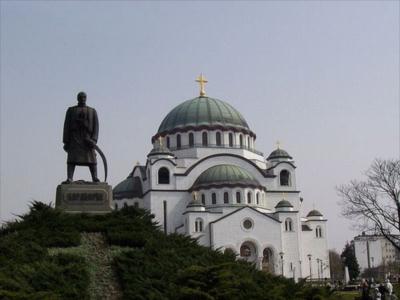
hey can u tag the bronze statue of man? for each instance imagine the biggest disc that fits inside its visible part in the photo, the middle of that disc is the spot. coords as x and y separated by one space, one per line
81 129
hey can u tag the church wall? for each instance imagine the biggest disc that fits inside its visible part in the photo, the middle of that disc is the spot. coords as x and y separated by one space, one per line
176 205
317 247
204 236
291 244
229 232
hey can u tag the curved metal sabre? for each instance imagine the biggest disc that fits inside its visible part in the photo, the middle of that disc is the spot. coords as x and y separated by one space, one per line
103 157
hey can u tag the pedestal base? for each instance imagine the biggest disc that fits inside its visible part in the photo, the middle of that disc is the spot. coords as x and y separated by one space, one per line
94 198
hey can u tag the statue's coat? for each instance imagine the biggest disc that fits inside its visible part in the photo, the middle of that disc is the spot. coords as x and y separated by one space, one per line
81 125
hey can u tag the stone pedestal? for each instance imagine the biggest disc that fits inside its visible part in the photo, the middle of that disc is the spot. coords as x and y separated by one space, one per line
84 197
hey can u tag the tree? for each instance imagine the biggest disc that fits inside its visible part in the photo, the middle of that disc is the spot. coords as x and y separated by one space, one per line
336 265
374 204
350 261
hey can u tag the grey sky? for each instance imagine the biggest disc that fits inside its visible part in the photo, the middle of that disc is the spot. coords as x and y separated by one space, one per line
321 77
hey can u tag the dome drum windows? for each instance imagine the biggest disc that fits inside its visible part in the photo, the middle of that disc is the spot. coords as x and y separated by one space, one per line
226 197
204 139
213 138
214 198
191 139
218 139
230 139
178 141
238 197
249 197
163 176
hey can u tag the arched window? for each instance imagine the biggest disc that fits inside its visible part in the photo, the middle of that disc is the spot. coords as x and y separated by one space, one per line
249 197
116 206
284 178
178 141
230 140
288 224
237 197
204 138
214 198
168 142
249 251
241 141
218 138
258 198
163 176
268 260
203 199
245 250
198 225
191 139
318 232
125 205
226 197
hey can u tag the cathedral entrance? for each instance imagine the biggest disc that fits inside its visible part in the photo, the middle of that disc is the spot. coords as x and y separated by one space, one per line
248 251
268 261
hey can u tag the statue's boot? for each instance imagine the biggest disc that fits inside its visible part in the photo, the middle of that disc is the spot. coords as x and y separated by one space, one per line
93 172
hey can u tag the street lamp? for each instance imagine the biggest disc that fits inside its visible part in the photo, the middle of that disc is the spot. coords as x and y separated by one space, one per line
301 272
322 270
281 255
309 260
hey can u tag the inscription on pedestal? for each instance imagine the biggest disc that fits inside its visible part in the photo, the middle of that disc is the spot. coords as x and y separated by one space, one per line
84 197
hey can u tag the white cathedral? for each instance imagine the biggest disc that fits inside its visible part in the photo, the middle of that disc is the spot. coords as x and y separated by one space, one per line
204 178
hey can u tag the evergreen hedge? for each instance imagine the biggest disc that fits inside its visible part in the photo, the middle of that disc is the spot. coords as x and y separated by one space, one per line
151 265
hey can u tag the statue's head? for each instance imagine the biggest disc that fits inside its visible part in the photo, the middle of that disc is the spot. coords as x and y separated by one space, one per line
81 98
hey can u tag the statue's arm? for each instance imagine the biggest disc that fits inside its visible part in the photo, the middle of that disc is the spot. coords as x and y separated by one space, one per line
67 122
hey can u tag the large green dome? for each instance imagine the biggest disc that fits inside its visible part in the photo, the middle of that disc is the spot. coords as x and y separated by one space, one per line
203 112
225 175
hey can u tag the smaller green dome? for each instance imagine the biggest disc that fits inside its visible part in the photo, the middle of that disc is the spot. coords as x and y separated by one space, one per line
225 175
129 188
279 153
314 213
283 203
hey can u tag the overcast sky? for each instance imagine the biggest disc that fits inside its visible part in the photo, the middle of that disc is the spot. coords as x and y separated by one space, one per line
321 77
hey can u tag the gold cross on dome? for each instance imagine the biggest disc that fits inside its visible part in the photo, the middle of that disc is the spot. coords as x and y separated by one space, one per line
202 81
278 144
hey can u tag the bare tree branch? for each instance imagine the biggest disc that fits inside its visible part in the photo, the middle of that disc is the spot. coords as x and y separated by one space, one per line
374 204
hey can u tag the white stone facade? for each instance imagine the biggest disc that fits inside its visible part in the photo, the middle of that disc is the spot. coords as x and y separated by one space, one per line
276 239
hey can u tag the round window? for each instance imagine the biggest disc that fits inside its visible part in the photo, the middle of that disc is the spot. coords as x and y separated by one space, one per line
247 224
